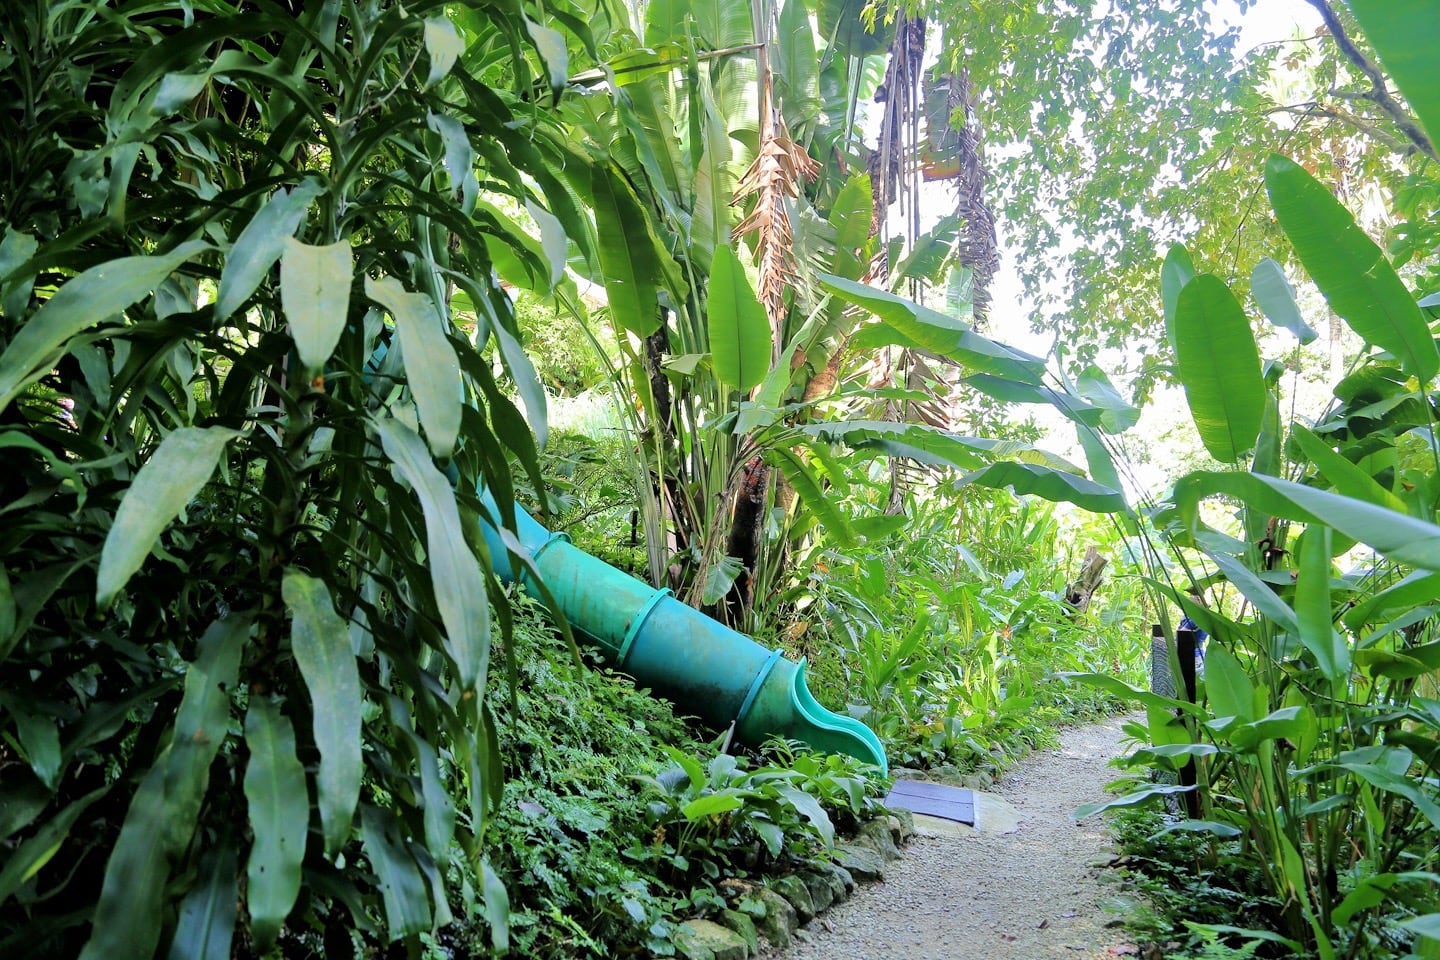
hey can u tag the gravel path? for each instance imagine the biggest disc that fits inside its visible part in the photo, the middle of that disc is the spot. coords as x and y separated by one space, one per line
1026 895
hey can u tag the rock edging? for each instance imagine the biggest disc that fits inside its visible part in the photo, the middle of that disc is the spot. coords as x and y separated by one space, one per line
777 910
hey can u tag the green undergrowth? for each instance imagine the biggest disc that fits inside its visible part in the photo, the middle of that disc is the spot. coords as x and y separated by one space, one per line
619 820
1196 897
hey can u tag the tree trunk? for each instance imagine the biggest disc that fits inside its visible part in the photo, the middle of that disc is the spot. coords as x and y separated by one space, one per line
747 529
1092 574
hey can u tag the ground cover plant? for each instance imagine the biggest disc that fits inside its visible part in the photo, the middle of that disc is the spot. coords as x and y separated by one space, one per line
620 820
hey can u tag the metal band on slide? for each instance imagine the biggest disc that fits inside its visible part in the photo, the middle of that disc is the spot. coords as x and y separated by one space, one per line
637 622
759 682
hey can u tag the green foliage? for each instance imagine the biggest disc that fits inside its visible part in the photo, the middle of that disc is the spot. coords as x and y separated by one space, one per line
1316 733
612 829
244 629
949 662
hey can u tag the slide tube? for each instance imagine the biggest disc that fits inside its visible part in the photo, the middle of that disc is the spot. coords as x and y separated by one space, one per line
707 669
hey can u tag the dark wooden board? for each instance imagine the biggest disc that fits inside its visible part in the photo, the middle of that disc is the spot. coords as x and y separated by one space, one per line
933 799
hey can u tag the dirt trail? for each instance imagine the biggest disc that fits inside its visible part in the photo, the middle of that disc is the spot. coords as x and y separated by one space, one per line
1026 895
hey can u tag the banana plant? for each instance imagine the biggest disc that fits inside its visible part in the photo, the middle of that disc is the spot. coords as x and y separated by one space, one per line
1316 732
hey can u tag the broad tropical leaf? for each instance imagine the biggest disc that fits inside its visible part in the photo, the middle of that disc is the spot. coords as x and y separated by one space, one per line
913 325
315 293
402 885
1347 478
260 244
168 481
1396 535
320 641
923 444
1349 268
629 264
443 45
1055 485
1313 607
431 368
279 808
460 595
1406 34
207 916
98 294
1219 367
1175 272
740 340
161 820
1276 298
798 475
1228 686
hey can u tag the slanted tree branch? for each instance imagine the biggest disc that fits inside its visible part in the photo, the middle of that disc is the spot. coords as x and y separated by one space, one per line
1314 108
1379 93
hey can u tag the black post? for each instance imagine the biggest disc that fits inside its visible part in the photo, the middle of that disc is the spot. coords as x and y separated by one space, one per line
1165 684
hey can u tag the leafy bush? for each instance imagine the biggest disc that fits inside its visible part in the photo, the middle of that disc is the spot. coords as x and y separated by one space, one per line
611 831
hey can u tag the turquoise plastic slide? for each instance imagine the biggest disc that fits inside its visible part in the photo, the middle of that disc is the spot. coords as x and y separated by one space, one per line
707 669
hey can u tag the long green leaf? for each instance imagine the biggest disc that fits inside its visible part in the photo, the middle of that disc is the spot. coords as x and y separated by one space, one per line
550 44
1272 291
31 856
1399 537
260 244
1313 607
1014 391
1349 268
1132 799
402 885
279 808
207 916
459 159
797 67
161 819
315 294
98 294
1416 588
809 808
740 338
1424 926
1219 367
1175 272
1119 414
915 325
1228 686
629 263
553 241
1383 778
798 475
918 442
1347 479
320 641
444 46
455 572
1257 591
497 907
127 918
16 247
1406 34
431 367
168 481
1097 458
1054 485
439 813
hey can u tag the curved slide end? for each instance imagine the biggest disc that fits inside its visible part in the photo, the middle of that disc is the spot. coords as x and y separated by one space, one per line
786 707
708 669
